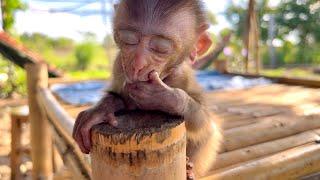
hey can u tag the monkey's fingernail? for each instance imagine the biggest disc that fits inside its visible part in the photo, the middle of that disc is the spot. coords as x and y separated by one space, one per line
190 176
114 123
190 166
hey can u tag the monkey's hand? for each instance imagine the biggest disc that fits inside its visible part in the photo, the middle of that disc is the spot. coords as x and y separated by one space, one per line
156 95
103 112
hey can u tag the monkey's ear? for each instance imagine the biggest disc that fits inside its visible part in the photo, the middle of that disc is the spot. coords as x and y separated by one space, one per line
203 44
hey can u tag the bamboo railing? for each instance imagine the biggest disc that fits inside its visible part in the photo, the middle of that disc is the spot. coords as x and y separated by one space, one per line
51 124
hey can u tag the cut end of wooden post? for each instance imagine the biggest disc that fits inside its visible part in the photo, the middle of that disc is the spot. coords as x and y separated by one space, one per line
144 145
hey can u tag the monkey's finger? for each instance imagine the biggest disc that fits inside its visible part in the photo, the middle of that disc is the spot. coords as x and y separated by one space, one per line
80 144
86 129
78 139
190 175
112 119
79 121
154 78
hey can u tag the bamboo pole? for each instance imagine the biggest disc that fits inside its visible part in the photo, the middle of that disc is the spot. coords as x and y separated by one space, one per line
58 116
17 121
290 164
264 149
144 146
41 142
71 158
273 127
62 125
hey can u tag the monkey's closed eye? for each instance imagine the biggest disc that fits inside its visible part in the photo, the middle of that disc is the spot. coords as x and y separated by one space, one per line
128 37
161 45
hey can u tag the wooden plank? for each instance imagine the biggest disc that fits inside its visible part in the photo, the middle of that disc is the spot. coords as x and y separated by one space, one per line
285 80
264 149
293 96
269 129
290 164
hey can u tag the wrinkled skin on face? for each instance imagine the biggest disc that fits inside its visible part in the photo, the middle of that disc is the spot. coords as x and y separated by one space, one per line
152 45
149 52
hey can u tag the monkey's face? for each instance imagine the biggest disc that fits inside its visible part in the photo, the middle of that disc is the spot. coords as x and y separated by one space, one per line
141 54
153 44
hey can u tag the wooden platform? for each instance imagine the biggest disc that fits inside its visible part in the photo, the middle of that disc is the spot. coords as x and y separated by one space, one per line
270 132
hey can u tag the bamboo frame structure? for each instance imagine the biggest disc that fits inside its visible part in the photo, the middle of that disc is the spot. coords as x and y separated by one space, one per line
48 119
41 141
290 164
17 121
279 126
62 125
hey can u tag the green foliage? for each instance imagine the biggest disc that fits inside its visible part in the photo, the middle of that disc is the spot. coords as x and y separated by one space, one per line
9 7
19 79
294 19
59 52
84 54
296 16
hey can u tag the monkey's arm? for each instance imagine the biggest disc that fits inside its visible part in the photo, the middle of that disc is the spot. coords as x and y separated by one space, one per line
203 134
102 112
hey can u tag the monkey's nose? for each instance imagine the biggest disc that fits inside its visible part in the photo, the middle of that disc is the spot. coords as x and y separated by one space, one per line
138 67
136 73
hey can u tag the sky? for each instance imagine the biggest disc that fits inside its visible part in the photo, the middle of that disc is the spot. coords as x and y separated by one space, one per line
37 18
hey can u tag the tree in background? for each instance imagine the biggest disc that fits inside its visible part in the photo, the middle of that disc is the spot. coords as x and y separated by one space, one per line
84 54
297 29
8 8
295 17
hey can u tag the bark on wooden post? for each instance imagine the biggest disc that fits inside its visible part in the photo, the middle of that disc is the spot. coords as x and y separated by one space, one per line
41 142
144 146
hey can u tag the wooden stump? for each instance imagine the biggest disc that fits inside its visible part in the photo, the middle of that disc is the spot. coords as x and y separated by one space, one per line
143 146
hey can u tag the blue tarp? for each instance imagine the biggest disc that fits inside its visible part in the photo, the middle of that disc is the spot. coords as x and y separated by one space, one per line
91 91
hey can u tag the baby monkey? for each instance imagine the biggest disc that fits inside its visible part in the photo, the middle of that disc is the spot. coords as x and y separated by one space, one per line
158 40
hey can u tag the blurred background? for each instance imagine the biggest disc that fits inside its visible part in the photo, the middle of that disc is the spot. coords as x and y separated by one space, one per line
76 37
278 38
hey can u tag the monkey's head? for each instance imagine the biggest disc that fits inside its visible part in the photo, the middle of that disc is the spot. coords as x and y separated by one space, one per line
158 35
